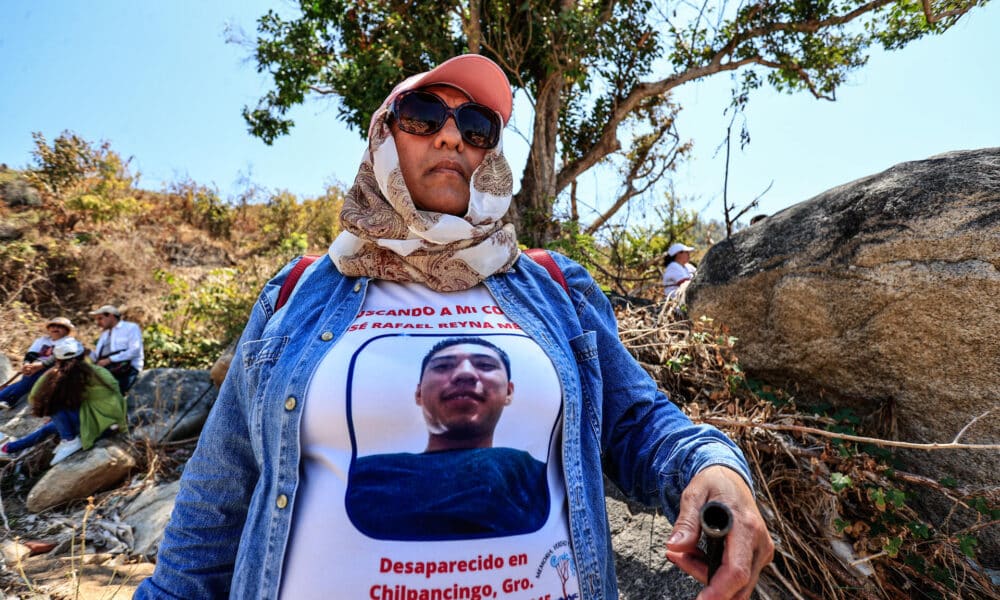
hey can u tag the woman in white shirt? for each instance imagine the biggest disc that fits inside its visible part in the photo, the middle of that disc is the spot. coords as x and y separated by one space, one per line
679 268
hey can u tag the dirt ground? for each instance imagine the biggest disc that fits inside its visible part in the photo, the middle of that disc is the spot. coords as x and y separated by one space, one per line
100 577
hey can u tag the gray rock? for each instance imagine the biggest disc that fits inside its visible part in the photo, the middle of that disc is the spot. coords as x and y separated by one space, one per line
639 539
19 421
82 474
148 515
884 293
170 404
6 369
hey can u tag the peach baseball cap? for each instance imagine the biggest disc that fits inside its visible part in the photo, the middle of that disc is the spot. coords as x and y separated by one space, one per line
477 76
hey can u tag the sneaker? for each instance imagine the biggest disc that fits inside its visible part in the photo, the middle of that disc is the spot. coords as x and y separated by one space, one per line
4 405
4 455
65 449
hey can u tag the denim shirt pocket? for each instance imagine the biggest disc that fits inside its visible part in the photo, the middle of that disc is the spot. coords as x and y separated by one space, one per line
586 354
259 358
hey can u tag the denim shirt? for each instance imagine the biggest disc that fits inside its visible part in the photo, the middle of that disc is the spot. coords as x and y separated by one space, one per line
232 517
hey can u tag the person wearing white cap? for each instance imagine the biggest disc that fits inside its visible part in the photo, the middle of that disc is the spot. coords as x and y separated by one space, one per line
119 348
322 379
37 359
679 268
81 399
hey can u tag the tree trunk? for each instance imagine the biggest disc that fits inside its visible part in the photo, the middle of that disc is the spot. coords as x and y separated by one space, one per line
531 210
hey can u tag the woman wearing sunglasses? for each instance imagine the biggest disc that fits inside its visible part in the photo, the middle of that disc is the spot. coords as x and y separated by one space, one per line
328 377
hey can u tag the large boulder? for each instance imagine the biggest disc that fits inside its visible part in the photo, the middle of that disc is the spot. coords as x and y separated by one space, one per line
82 474
170 404
883 293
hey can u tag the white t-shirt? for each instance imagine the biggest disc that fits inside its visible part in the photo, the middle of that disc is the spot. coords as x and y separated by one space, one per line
42 346
378 517
674 275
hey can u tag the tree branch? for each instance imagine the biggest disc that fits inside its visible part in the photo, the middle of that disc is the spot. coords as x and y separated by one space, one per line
850 438
933 17
970 424
608 141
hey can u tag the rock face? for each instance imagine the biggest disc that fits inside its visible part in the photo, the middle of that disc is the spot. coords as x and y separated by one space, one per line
82 474
883 290
170 404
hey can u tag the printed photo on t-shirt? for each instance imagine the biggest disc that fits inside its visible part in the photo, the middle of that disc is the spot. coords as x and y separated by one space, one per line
447 444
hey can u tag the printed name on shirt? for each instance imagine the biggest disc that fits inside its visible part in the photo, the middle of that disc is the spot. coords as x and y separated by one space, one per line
415 315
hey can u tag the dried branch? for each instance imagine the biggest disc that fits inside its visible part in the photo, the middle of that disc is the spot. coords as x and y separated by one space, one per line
971 423
847 437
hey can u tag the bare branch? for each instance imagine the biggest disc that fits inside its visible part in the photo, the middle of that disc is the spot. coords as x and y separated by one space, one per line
322 90
850 438
933 17
970 424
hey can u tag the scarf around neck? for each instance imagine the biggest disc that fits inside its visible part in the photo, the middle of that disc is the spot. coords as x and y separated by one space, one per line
387 237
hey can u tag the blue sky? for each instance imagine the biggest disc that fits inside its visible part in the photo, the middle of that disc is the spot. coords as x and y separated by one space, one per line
159 82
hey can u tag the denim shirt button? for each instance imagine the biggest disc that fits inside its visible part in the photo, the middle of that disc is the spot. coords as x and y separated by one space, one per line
282 501
357 287
326 336
290 403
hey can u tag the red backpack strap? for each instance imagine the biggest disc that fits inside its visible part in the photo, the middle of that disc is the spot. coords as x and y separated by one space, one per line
288 286
542 257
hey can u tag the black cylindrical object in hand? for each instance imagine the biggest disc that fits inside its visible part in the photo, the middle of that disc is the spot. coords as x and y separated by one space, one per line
716 521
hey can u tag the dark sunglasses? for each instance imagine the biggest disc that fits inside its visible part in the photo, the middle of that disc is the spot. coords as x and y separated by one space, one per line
423 113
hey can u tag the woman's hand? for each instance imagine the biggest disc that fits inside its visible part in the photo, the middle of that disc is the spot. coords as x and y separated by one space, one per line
31 368
748 546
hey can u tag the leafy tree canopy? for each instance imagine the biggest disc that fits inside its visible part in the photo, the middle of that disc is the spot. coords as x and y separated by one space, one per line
592 69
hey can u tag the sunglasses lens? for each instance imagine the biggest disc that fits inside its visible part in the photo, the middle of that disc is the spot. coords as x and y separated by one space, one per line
420 113
479 126
423 113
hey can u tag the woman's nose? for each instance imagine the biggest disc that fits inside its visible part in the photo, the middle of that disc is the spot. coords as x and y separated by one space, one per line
449 136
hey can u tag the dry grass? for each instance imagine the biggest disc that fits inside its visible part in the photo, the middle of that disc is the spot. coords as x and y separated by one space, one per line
833 540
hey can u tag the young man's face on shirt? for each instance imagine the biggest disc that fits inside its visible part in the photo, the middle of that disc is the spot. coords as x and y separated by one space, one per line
463 391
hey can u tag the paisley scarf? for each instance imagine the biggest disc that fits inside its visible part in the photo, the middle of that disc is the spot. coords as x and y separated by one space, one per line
387 237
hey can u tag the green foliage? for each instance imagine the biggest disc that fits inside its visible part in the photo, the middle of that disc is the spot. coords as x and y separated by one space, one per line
204 208
99 209
69 161
575 244
290 227
866 485
200 319
84 182
840 481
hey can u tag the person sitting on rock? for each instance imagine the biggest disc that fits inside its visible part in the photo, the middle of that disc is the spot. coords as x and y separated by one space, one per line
119 348
36 361
81 398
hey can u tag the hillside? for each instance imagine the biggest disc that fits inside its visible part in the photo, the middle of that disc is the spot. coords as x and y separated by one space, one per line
185 264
